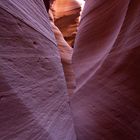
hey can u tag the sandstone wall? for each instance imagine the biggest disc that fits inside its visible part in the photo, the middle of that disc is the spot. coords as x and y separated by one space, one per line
106 104
33 92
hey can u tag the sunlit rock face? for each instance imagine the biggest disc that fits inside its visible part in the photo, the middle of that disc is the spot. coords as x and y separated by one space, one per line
66 17
106 103
33 92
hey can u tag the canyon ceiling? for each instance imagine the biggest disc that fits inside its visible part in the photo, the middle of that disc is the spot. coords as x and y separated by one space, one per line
67 74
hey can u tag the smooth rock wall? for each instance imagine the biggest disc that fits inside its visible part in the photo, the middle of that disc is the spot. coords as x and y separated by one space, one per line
33 93
106 103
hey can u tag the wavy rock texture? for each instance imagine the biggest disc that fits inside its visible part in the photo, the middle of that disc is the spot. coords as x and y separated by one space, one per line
66 17
33 92
106 104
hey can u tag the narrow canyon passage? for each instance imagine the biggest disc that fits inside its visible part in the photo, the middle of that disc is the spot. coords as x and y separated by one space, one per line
65 80
64 22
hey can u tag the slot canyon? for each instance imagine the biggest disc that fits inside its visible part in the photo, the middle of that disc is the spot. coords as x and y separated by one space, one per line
69 69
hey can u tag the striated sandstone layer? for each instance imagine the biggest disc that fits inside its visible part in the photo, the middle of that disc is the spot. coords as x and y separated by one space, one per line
33 92
106 103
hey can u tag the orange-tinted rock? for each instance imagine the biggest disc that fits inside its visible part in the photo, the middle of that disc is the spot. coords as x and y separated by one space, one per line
106 104
66 17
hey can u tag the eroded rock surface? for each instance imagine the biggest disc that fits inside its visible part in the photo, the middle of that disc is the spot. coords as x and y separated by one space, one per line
33 92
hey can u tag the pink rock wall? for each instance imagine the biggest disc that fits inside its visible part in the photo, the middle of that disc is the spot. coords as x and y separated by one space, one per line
106 104
33 92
